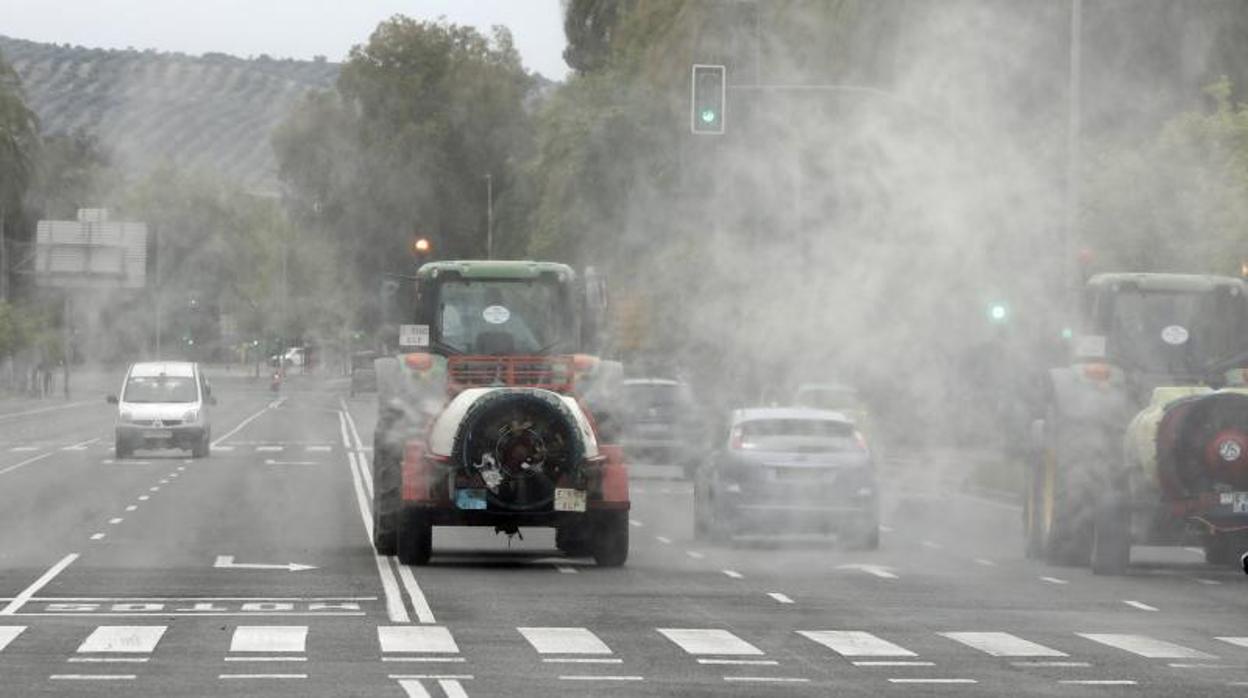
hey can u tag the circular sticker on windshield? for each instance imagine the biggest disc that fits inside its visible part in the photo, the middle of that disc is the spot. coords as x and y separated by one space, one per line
497 315
1174 335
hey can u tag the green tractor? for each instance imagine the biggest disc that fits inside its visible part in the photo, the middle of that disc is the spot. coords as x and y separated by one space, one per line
496 413
1143 436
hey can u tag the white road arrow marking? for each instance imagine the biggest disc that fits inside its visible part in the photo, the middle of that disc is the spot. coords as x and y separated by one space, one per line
227 562
877 570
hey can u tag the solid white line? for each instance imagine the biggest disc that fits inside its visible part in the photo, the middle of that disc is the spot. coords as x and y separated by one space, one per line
41 410
395 610
359 445
1051 664
452 688
600 677
266 659
1184 665
1145 646
460 677
359 461
1054 580
92 677
855 643
1139 604
430 660
1210 582
1098 682
932 681
766 679
269 449
108 660
582 660
734 574
999 644
239 428
738 662
263 676
890 663
564 641
779 597
420 604
24 463
27 593
709 641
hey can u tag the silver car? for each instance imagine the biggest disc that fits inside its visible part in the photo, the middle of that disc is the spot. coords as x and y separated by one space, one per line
164 404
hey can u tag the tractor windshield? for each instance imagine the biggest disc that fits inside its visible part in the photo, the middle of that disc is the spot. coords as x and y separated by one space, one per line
1175 333
493 317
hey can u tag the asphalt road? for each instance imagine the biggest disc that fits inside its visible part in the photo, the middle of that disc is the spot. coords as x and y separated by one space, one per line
249 573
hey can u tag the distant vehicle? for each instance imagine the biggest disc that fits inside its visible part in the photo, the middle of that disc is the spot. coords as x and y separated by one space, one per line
363 373
786 471
660 422
293 357
164 404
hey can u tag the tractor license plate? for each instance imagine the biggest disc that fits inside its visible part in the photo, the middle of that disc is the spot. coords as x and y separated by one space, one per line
470 499
1237 500
158 434
569 499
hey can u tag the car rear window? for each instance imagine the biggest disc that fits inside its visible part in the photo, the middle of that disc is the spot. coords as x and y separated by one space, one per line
159 389
804 435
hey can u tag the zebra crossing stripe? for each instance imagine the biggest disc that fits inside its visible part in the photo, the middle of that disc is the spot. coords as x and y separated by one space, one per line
416 638
855 643
1004 645
9 633
139 639
1145 646
709 641
269 638
564 641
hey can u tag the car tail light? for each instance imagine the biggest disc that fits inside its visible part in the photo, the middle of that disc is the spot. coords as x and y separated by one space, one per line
860 440
1097 372
737 440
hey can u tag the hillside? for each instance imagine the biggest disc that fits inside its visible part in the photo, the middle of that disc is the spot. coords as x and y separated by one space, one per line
212 112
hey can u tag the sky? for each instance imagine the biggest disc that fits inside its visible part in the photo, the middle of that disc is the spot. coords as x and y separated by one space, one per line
281 28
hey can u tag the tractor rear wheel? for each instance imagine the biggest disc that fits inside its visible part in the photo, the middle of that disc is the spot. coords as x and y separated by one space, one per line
1111 539
1068 468
415 537
386 501
610 538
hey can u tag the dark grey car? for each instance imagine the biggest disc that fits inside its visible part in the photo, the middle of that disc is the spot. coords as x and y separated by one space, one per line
660 423
788 471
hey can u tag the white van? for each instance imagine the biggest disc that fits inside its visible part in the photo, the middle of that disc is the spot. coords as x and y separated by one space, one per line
164 404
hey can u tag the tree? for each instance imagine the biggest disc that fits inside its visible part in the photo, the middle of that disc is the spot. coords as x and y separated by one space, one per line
19 144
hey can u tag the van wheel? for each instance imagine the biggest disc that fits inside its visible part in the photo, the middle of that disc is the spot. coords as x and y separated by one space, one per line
201 449
415 541
122 450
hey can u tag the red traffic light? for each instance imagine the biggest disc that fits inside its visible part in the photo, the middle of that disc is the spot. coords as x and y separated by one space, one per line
422 246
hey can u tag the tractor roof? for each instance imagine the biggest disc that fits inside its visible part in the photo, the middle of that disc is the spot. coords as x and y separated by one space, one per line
1192 283
495 269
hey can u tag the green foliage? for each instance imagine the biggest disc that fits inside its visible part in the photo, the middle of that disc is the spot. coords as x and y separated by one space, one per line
1178 201
19 140
421 114
74 171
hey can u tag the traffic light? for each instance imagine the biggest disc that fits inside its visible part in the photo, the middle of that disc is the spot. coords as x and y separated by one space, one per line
707 99
422 246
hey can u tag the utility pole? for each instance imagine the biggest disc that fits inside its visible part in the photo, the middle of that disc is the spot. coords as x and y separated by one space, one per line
156 284
4 256
489 216
1069 266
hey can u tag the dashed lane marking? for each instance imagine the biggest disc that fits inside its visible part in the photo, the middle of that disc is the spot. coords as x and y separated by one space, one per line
1054 580
92 677
600 677
82 445
144 497
766 679
23 449
737 662
1003 645
1139 604
888 663
733 574
114 521
694 554
782 598
582 660
564 640
564 569
856 643
933 681
97 536
1209 582
1098 682
269 449
262 676
635 523
1064 665
131 639
1145 646
709 641
932 545
664 540
985 563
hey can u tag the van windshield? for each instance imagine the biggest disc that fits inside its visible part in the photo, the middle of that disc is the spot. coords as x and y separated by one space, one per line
160 389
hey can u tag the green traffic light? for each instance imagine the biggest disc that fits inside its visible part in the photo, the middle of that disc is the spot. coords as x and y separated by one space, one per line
997 312
1068 333
708 116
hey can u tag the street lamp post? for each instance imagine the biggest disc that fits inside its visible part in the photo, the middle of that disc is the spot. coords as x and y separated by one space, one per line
489 216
